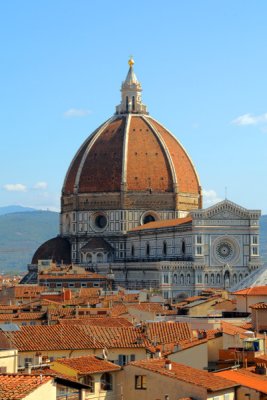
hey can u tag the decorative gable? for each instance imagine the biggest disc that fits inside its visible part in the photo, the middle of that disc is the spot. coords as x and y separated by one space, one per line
226 210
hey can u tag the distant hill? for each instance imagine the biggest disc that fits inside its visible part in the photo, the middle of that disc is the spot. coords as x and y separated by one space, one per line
14 209
21 234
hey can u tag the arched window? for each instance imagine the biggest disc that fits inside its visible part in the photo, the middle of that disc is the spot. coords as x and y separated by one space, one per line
240 277
127 104
147 249
234 278
89 258
164 250
133 103
188 279
175 279
148 218
206 279
89 380
218 279
106 381
212 279
132 250
99 258
182 279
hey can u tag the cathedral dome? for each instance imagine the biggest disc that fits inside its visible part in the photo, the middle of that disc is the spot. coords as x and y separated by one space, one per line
132 153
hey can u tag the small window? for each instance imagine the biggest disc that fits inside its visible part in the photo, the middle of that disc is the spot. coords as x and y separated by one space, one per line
255 251
140 382
89 380
165 278
164 250
71 285
59 284
147 249
255 239
199 239
106 381
199 250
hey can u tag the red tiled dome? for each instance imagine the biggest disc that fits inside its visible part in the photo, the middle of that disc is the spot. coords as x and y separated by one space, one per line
135 151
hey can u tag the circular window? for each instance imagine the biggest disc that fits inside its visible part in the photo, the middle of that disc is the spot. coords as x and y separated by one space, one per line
224 250
101 221
148 218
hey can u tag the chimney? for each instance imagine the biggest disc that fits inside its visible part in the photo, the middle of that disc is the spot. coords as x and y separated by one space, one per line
67 294
158 352
28 368
168 364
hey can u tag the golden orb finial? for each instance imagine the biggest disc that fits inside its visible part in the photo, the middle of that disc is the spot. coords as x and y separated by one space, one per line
131 61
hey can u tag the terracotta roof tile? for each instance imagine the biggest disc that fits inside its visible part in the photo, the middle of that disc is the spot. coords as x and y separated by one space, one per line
87 365
163 224
53 337
259 306
253 291
168 332
22 316
246 378
18 386
103 321
233 330
186 374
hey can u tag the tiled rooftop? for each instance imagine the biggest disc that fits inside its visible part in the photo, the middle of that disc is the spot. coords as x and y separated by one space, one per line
253 291
259 306
186 374
87 365
233 330
163 224
104 321
246 378
17 386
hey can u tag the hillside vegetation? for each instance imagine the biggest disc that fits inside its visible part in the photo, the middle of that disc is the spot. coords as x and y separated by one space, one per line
21 234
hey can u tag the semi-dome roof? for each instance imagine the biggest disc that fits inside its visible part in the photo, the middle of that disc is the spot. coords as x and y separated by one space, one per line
132 152
57 249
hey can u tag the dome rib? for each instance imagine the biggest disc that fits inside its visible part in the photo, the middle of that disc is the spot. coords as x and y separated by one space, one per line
87 150
167 153
183 150
70 179
125 150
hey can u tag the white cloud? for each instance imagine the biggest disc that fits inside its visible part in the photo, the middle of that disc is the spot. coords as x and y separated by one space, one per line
210 197
15 187
76 113
248 119
40 185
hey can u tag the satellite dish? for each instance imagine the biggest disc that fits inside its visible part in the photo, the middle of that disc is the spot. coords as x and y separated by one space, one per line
105 353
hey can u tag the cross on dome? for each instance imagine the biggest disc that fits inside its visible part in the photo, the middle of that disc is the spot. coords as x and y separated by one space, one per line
131 100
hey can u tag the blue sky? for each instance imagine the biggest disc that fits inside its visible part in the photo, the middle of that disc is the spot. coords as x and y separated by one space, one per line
202 65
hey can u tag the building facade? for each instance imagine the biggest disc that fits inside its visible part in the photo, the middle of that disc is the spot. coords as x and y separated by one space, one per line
132 202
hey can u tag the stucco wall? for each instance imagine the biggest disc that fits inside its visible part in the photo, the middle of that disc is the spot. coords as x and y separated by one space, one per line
196 357
45 391
158 386
9 360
